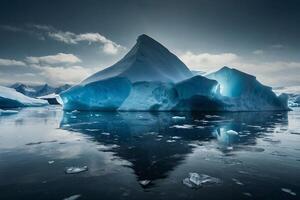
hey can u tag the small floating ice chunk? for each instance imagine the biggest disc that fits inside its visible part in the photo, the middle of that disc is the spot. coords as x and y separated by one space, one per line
229 148
187 183
73 197
247 194
75 111
237 181
178 117
212 116
184 126
50 162
176 137
145 182
232 132
76 170
105 133
171 141
196 180
289 191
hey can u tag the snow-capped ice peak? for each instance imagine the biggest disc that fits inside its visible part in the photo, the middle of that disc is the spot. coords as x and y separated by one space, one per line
148 60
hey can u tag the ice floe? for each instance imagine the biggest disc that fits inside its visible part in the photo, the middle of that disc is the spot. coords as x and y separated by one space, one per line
184 126
196 180
289 191
73 197
76 170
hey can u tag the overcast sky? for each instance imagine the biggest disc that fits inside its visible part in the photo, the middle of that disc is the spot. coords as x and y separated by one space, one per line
63 41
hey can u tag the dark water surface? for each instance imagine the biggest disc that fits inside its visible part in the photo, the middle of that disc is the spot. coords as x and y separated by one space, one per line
142 155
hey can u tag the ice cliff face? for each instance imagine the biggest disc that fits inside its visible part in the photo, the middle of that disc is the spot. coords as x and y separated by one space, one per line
150 77
10 98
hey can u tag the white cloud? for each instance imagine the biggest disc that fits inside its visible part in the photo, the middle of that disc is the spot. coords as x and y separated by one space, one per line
66 37
258 52
62 75
109 47
207 61
8 62
60 58
45 31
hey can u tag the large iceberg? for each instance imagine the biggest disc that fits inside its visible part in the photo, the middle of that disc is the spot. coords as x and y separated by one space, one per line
10 98
150 77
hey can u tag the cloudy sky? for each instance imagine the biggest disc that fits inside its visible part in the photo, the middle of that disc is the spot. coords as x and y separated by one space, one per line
63 41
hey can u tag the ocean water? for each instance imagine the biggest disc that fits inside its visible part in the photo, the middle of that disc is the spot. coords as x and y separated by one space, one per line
143 155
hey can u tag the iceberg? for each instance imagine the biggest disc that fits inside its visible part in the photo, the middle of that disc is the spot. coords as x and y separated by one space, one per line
150 78
10 98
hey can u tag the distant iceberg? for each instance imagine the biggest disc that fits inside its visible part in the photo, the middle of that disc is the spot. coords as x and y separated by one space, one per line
9 98
151 78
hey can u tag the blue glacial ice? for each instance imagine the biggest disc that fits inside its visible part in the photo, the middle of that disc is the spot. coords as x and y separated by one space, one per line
151 78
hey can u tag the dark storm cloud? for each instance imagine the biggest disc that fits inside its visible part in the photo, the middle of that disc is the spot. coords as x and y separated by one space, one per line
253 34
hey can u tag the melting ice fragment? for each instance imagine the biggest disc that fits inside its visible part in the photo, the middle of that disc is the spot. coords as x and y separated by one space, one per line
232 132
196 180
50 162
144 182
289 191
171 141
237 181
76 170
178 117
184 126
73 197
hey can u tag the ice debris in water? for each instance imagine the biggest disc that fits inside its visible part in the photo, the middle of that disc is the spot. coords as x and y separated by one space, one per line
196 180
289 191
50 162
247 194
178 117
237 181
75 170
73 197
144 182
184 126
232 132
105 133
171 141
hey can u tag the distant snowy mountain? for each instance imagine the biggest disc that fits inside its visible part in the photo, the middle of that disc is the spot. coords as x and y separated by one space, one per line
150 77
38 90
10 98
293 93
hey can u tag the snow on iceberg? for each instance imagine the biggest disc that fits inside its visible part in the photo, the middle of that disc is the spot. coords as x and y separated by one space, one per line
148 60
10 98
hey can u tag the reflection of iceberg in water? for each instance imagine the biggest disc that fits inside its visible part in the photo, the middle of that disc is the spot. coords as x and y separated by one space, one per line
141 138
